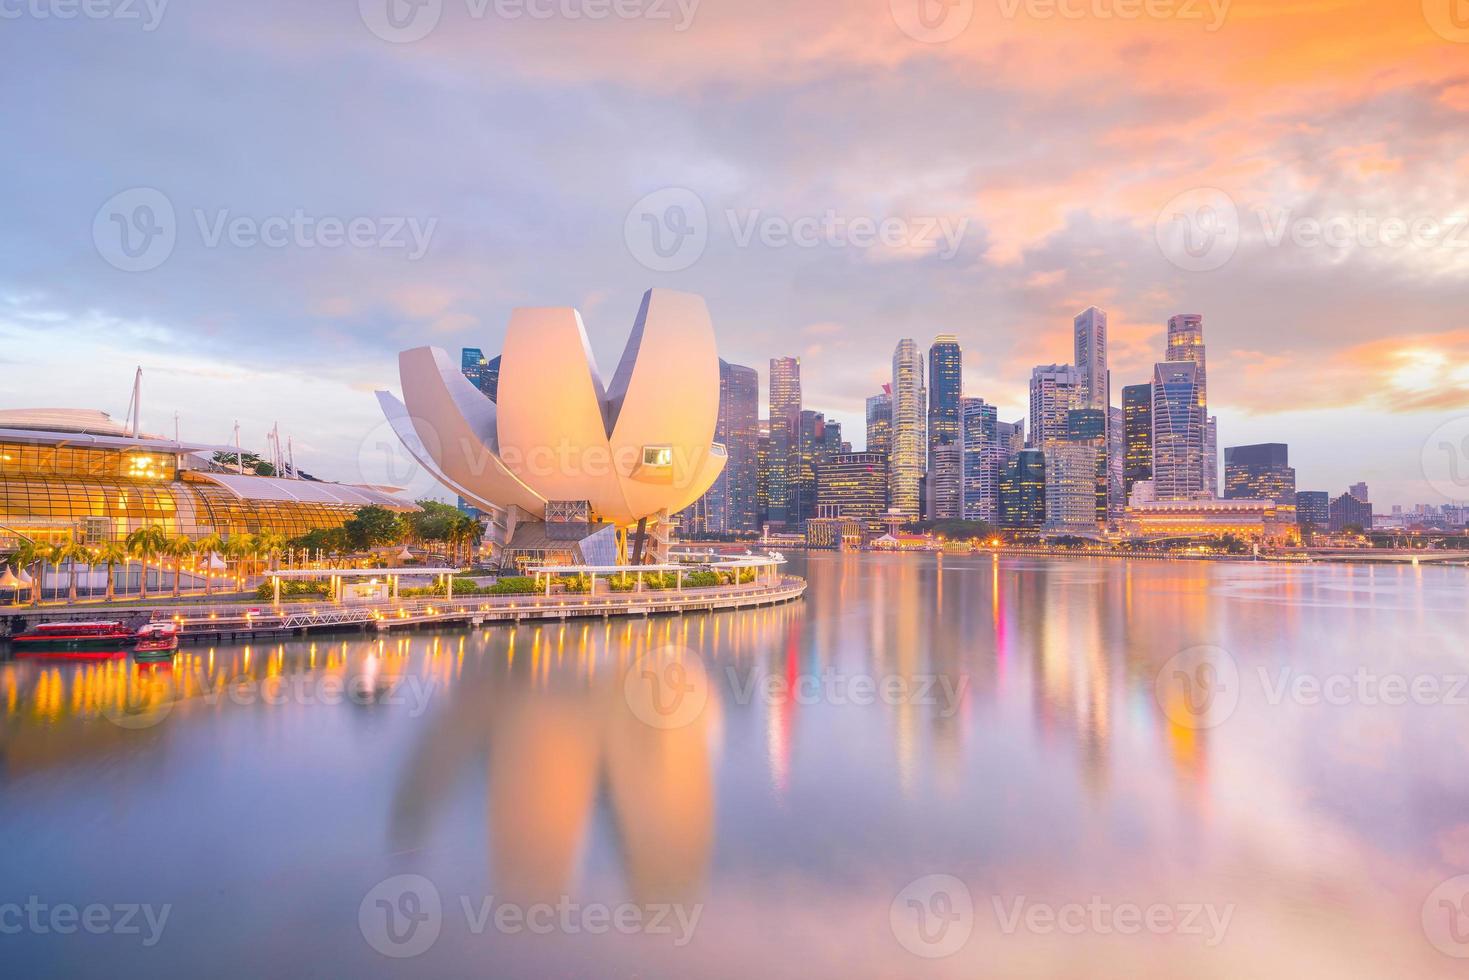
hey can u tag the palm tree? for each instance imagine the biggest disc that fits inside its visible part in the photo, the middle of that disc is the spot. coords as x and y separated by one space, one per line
146 544
270 544
238 548
29 554
88 558
178 548
209 546
64 552
112 553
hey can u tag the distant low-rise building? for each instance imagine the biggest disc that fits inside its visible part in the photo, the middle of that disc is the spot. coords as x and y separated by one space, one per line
1262 521
1348 510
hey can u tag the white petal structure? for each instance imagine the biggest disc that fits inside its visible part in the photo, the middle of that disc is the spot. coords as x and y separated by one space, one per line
637 448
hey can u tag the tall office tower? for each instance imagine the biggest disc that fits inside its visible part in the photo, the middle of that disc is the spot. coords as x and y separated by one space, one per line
1313 510
813 447
785 421
1211 458
1349 510
1012 439
1260 472
1077 489
1116 461
1178 432
910 444
944 484
1023 490
856 484
1186 343
979 435
762 457
880 422
1137 436
731 505
1055 389
945 387
483 374
835 444
1090 328
1359 490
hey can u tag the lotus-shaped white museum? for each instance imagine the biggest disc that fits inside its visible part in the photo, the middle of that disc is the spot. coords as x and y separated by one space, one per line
564 463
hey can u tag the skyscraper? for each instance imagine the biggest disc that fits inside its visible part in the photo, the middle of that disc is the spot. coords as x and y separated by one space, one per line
1090 328
1137 438
1261 472
983 457
732 504
1313 510
483 374
812 449
880 422
910 444
856 484
945 386
763 467
1178 432
1359 490
1350 511
1023 490
1077 493
785 421
945 483
1055 389
1186 343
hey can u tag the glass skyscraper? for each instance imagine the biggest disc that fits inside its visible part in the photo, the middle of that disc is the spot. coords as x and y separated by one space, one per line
1178 432
1137 437
983 457
880 422
1261 472
785 422
910 444
945 387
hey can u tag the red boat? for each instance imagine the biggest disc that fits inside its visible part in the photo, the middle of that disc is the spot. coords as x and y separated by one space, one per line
99 639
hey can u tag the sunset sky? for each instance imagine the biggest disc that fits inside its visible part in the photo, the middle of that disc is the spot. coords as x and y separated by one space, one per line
1065 138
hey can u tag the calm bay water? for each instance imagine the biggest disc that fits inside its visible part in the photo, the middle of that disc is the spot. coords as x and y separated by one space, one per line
956 768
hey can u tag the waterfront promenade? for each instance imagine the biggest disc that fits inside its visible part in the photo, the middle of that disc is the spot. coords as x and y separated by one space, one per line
201 622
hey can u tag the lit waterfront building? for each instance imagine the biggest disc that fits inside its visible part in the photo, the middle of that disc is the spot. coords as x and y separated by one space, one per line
880 422
855 485
1137 439
1349 510
785 422
983 458
1260 472
1055 389
1023 490
1076 474
816 441
762 462
910 444
944 484
1313 510
78 475
945 388
1262 521
1178 432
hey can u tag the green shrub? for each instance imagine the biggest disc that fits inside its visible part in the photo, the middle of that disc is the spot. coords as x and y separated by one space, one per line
292 590
513 586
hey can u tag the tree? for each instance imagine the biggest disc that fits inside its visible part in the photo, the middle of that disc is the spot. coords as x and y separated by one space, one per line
146 544
112 553
65 553
178 548
270 544
32 554
373 527
238 548
209 546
